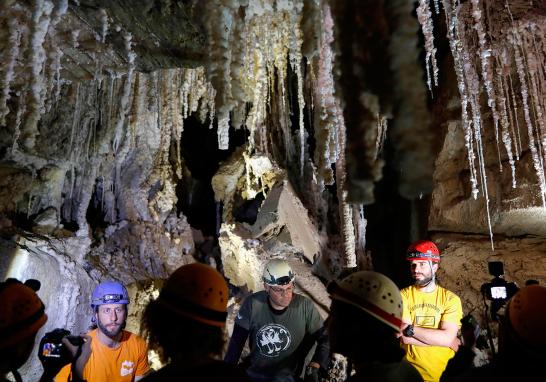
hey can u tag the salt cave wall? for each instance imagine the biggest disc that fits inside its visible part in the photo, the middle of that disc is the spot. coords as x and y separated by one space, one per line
331 148
488 198
95 96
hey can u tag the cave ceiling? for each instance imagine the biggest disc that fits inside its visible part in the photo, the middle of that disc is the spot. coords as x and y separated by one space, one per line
137 135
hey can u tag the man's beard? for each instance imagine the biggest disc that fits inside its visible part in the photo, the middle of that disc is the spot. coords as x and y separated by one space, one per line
423 282
108 333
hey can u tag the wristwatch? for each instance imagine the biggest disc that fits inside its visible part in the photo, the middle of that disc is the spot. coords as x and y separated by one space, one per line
408 331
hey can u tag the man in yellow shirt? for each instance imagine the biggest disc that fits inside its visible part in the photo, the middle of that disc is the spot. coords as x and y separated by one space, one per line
110 353
431 316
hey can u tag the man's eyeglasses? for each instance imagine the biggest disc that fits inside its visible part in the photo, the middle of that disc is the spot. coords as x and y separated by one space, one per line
279 290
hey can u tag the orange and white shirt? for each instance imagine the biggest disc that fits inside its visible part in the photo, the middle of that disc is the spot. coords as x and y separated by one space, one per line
122 364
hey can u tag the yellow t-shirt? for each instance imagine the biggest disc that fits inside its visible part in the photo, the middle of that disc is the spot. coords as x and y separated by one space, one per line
123 364
428 310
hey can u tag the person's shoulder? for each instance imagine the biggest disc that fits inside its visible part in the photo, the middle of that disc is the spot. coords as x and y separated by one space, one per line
131 337
407 290
301 300
256 296
259 297
450 295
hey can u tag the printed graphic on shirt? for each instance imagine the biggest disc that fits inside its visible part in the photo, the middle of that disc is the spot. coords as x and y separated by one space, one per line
273 339
427 321
126 368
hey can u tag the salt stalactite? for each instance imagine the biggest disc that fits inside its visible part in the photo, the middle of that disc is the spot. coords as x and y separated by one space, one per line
248 68
125 98
514 113
437 7
9 58
487 72
535 68
327 150
104 24
508 48
381 134
425 18
363 260
506 124
54 56
295 56
539 168
345 209
219 24
473 83
41 18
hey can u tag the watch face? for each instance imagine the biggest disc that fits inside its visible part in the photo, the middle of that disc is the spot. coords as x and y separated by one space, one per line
408 332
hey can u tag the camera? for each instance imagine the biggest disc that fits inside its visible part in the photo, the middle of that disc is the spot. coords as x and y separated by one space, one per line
52 347
498 289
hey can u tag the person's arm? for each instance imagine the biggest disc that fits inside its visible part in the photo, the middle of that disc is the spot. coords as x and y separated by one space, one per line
142 365
81 355
322 351
444 336
236 344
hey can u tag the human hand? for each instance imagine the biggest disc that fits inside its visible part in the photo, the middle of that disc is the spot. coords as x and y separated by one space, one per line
312 372
455 344
80 349
52 354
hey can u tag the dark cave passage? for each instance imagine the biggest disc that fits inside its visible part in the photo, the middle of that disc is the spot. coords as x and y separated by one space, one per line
202 158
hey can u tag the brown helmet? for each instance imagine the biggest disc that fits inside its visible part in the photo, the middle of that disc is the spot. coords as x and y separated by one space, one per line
197 291
22 313
526 313
372 292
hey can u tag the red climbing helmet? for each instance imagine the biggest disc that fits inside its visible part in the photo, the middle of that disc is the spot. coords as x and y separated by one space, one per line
423 250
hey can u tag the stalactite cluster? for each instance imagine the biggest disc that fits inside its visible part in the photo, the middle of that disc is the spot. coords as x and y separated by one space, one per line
269 62
510 68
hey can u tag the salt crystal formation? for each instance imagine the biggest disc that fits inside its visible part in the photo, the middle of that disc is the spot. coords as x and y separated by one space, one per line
510 38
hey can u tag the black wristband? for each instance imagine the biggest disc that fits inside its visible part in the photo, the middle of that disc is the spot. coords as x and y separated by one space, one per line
408 331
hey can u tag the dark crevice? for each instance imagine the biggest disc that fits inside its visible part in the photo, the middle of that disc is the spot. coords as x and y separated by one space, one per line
202 159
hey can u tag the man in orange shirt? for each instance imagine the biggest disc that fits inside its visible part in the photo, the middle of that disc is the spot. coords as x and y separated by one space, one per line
110 353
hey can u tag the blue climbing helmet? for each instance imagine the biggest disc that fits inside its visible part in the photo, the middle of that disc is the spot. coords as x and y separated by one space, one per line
109 292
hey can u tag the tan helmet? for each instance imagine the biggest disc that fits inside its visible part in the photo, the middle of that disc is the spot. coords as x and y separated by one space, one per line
197 291
278 272
526 313
21 311
372 292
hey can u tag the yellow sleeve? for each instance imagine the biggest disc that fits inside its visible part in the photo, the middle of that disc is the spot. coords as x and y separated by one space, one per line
405 304
453 310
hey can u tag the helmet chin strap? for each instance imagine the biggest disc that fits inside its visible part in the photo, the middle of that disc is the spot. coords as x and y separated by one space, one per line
432 275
